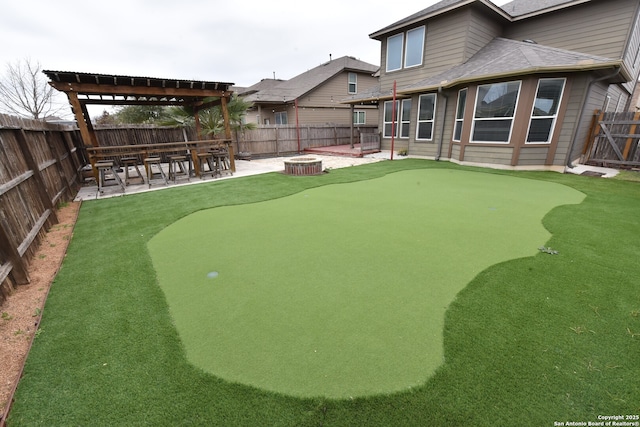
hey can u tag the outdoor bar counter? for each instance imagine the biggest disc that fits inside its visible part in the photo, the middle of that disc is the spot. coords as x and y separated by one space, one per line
142 151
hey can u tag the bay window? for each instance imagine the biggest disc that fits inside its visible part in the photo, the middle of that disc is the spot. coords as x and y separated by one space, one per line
426 115
462 103
494 112
545 110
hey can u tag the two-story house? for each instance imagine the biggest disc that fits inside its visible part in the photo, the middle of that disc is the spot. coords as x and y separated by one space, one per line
317 95
513 86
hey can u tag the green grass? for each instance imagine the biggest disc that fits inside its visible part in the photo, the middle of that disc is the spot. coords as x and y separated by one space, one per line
340 291
529 341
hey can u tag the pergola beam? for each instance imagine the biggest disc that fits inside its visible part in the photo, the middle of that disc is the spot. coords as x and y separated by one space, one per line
84 89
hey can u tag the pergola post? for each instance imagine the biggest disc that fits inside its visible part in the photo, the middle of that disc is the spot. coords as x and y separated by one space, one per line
227 130
83 120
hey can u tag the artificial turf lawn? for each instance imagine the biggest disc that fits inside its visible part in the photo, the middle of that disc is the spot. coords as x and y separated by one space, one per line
531 341
340 291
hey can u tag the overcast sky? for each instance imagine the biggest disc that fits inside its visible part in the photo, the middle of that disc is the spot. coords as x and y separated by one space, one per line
240 42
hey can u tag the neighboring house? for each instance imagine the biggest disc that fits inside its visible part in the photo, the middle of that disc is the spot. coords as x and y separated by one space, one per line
512 86
318 94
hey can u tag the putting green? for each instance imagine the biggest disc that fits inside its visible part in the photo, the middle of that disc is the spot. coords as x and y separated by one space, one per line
341 290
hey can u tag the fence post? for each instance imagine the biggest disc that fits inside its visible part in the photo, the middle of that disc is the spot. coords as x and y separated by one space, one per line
58 157
632 131
10 249
37 175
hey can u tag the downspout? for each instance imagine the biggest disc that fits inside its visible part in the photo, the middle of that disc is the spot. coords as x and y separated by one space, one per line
444 118
582 114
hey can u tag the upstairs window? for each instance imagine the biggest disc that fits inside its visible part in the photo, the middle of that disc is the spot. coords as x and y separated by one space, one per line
545 110
426 114
414 48
406 51
494 112
394 52
353 83
462 104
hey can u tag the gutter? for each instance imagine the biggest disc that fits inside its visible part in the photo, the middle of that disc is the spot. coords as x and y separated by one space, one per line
448 84
444 118
582 114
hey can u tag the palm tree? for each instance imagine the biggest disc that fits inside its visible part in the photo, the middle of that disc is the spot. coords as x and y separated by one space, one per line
211 119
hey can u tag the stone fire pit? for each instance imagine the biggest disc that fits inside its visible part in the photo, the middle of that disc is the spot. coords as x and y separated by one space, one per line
302 166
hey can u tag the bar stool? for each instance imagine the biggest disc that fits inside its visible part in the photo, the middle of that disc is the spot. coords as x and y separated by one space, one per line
103 167
128 162
221 157
148 164
176 161
208 160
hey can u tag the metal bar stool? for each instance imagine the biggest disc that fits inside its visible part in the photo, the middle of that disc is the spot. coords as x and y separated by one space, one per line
128 162
148 164
103 167
176 165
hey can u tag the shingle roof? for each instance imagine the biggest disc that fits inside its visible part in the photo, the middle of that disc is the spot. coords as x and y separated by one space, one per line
510 11
517 8
264 84
504 57
501 58
289 90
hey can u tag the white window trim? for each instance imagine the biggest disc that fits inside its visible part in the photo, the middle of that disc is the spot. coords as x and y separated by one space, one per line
406 41
281 114
384 124
461 120
554 117
401 35
364 117
433 120
401 120
513 118
354 83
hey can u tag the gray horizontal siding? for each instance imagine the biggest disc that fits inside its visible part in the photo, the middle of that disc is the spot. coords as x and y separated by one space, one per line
480 32
489 155
632 55
598 28
455 151
533 156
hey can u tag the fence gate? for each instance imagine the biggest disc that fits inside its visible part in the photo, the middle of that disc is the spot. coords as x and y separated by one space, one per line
614 140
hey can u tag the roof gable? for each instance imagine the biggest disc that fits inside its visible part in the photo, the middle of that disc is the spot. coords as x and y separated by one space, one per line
512 11
289 90
519 9
435 10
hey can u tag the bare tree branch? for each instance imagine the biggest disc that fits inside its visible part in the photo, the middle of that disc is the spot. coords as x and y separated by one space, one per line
24 91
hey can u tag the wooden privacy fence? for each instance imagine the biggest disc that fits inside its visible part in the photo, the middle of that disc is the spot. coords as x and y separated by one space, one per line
614 140
39 168
264 141
283 140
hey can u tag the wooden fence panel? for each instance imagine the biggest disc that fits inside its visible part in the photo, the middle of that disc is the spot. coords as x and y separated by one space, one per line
39 167
283 140
614 140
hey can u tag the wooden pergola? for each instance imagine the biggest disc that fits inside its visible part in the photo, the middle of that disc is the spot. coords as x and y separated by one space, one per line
84 89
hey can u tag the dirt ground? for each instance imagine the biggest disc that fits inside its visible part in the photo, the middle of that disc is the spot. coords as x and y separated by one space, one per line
20 313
